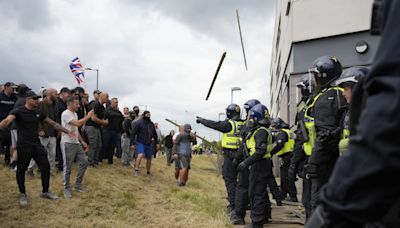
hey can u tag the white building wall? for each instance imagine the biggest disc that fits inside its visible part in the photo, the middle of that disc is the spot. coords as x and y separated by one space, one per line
307 20
322 18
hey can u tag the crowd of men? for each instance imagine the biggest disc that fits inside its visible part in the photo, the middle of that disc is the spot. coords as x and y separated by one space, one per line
53 129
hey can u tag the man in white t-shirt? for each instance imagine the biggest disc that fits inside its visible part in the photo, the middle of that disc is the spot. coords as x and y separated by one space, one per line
72 146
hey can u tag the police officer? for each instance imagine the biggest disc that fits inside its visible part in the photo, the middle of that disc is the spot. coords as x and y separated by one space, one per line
364 186
347 81
284 145
242 187
230 144
299 156
259 144
326 112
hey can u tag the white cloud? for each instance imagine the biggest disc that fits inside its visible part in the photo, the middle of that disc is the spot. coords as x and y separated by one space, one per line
156 54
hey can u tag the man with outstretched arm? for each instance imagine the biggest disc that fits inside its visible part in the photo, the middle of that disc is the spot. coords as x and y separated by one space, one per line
72 147
27 119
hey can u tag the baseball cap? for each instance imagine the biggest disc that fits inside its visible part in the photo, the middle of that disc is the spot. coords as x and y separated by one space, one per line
32 94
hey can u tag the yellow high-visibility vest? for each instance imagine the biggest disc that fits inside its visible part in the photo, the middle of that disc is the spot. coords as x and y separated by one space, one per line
251 143
310 125
232 139
289 145
344 142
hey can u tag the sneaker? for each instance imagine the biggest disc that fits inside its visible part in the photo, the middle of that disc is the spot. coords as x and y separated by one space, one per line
67 194
15 169
136 173
23 200
79 188
48 195
149 174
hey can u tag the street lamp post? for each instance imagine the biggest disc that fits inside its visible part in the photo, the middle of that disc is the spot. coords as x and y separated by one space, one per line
97 76
234 89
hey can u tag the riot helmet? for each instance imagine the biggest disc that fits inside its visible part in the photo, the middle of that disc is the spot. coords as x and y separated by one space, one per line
233 112
258 115
324 71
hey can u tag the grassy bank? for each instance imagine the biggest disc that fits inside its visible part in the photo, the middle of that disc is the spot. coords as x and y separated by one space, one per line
115 198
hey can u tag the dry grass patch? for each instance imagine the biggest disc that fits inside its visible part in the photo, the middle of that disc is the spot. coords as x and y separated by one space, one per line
115 198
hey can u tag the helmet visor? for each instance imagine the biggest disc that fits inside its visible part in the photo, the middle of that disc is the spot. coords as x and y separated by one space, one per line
312 78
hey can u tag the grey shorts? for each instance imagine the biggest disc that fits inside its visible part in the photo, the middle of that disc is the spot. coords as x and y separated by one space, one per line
14 138
184 162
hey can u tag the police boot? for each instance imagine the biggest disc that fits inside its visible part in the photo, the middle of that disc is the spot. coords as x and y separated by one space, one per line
267 217
294 199
278 202
237 220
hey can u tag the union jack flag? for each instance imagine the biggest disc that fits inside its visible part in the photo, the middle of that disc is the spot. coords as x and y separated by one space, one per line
77 70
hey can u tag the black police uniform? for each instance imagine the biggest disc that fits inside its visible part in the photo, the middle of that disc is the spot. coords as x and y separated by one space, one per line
287 185
297 162
327 113
229 171
364 186
259 172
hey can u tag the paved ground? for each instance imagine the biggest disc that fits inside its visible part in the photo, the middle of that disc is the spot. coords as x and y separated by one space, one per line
285 216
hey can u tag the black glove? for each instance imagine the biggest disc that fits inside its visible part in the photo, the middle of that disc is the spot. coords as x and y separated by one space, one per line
198 119
235 163
242 166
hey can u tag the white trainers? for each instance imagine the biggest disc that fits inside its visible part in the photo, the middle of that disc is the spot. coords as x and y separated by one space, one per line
67 194
23 200
48 195
79 188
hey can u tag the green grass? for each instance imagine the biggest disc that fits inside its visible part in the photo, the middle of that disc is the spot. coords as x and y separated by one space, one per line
205 204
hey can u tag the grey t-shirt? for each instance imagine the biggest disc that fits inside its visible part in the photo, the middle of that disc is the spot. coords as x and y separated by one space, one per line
183 144
66 117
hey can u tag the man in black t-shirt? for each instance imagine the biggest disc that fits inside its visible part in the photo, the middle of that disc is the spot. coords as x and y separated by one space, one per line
27 119
7 101
61 106
92 129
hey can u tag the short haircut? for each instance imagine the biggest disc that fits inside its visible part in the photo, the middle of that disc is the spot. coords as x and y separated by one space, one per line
114 99
65 90
71 100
